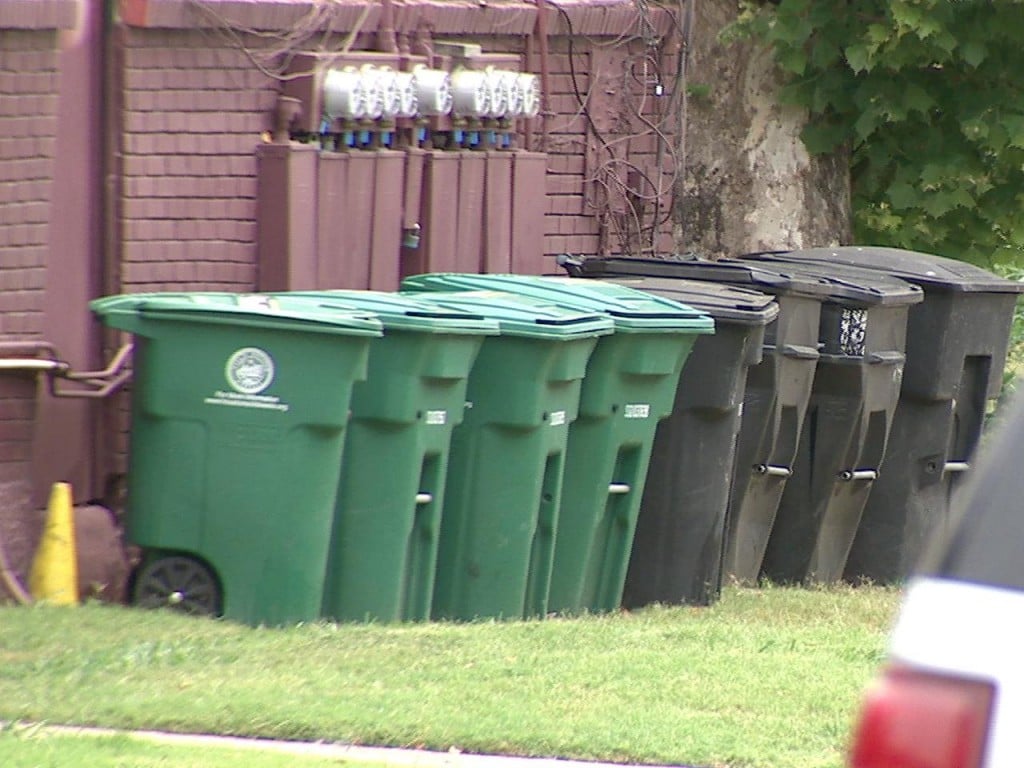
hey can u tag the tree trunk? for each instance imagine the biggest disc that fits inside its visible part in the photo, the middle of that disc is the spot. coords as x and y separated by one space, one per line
749 183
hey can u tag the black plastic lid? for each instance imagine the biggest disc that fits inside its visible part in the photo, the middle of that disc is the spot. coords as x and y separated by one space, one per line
927 270
725 303
781 279
856 285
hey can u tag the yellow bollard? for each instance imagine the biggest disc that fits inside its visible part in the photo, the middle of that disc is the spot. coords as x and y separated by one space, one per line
53 577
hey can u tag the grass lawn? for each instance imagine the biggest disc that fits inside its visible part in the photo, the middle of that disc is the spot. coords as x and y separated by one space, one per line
767 678
34 746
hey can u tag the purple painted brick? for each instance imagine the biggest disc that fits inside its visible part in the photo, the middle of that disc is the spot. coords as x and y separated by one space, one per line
240 209
37 212
243 165
205 230
163 229
184 230
179 208
246 187
34 278
132 186
216 208
184 271
222 186
165 143
132 208
245 231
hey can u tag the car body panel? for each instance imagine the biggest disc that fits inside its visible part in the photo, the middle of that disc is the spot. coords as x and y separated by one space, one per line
962 615
970 631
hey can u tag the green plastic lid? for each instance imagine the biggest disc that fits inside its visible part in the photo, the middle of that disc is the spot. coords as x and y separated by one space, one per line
407 312
237 309
629 310
518 315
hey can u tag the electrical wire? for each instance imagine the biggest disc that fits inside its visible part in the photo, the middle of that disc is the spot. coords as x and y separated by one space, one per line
646 203
310 34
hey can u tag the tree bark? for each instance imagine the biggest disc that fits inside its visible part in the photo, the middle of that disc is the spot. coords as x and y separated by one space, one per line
749 183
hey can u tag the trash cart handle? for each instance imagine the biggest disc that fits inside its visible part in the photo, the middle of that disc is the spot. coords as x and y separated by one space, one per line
800 352
858 474
890 358
772 471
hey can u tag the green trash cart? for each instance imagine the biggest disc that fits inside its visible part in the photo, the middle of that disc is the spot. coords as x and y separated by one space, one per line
384 545
239 410
629 387
507 458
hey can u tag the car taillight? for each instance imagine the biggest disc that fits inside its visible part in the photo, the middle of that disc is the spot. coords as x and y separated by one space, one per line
913 719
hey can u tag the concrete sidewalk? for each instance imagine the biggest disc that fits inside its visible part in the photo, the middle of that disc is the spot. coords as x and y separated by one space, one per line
413 758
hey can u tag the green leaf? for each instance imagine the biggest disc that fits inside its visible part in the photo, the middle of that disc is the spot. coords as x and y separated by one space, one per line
998 137
793 60
821 138
858 58
980 184
946 42
878 34
933 175
940 203
964 199
866 124
790 30
906 15
797 93
1014 125
917 99
826 56
903 196
796 7
1016 234
974 52
975 129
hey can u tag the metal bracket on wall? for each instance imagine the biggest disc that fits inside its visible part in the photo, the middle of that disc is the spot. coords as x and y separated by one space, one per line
40 357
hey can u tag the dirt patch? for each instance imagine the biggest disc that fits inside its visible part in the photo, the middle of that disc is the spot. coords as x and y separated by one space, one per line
102 564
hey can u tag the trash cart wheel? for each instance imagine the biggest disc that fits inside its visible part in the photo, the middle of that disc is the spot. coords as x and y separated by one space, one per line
178 582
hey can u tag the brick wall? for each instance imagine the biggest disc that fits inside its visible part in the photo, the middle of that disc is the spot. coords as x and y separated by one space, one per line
194 111
28 121
29 58
28 106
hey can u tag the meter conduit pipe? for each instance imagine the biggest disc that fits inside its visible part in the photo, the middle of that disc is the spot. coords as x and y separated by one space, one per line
542 39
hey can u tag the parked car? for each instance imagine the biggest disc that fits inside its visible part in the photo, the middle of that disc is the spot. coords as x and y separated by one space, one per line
951 693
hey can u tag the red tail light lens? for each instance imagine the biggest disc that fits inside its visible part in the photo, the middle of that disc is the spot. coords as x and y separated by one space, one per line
915 719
